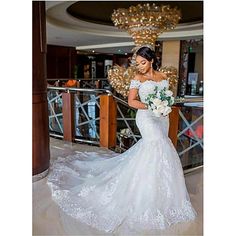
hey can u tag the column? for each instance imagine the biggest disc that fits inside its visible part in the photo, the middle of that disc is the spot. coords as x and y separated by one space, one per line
41 153
171 56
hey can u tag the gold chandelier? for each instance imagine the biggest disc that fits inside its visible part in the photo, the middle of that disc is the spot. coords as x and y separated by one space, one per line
146 22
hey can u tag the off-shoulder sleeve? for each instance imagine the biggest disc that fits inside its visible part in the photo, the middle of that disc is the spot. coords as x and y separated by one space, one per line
134 84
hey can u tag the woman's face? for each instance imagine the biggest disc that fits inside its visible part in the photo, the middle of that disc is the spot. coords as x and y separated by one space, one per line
143 65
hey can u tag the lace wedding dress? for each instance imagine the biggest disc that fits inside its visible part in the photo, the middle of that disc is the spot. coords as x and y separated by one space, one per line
142 189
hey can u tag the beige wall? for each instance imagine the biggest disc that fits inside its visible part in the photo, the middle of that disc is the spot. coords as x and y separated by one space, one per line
171 57
171 53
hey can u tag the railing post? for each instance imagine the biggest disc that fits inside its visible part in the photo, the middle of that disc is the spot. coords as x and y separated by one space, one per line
68 116
174 124
108 123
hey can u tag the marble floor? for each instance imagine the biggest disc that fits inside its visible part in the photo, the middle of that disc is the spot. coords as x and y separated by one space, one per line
46 220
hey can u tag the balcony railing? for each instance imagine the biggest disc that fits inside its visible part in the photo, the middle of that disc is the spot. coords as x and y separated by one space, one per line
75 115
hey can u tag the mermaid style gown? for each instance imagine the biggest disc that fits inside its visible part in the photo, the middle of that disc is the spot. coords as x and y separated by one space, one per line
139 190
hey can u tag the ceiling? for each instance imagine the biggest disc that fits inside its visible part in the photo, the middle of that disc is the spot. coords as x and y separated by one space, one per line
87 25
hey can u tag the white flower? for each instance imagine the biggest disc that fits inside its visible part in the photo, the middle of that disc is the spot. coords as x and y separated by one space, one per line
122 131
164 103
172 101
168 93
156 101
159 110
152 106
166 111
160 102
125 132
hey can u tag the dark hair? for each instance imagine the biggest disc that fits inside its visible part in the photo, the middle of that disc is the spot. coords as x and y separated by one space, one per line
148 54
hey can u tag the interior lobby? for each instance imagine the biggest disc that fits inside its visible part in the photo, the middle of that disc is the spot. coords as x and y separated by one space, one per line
80 63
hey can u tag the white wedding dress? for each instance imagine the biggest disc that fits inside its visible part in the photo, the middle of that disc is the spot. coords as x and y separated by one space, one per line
140 190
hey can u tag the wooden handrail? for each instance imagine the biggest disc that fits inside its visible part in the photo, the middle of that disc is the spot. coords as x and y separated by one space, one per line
108 113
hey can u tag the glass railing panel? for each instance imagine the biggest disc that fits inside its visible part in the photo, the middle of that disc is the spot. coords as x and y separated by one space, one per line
87 119
190 135
127 131
55 112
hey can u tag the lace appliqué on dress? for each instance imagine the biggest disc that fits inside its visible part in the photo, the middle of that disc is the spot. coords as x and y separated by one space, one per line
134 84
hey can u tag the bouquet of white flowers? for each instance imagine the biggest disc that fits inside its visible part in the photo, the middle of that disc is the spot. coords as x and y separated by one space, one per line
160 101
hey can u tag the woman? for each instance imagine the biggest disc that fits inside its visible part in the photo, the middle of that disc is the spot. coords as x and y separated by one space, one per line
140 190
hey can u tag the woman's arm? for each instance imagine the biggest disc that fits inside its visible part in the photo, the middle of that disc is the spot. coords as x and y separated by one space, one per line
133 101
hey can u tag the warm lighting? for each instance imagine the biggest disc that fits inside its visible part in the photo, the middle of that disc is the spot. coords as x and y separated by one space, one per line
119 78
172 75
146 22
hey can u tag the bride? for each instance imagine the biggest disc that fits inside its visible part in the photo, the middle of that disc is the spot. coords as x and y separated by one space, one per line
142 189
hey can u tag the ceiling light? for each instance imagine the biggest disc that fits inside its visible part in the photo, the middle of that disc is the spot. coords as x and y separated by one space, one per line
146 22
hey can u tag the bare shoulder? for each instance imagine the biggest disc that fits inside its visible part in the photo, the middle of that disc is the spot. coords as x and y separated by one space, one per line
137 77
162 75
